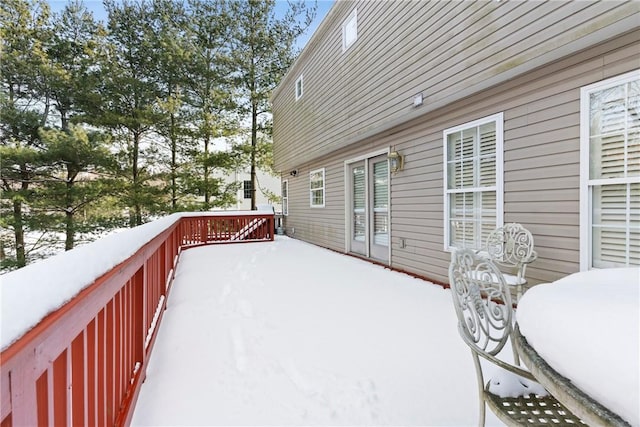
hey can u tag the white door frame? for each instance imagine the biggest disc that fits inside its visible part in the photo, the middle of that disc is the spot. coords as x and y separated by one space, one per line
348 201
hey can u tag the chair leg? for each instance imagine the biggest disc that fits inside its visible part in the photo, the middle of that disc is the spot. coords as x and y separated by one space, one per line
480 378
483 407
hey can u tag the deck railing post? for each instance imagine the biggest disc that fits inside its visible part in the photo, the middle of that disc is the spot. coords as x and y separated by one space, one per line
25 405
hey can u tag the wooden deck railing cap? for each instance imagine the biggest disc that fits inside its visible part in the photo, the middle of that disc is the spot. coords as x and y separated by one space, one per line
27 295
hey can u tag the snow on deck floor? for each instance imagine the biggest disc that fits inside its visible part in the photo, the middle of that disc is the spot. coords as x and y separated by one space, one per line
286 333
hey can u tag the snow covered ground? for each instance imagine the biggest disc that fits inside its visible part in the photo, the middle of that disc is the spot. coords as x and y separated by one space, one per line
286 333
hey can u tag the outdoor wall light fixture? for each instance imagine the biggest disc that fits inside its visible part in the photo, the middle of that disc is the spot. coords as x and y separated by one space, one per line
418 99
396 161
294 172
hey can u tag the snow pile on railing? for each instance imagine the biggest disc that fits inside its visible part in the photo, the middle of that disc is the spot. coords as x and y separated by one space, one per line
27 295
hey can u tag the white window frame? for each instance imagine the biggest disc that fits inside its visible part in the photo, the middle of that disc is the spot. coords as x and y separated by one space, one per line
351 19
498 188
321 189
246 189
285 198
587 184
299 84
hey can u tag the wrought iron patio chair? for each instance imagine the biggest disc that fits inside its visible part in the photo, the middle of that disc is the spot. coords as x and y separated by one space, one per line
511 248
482 302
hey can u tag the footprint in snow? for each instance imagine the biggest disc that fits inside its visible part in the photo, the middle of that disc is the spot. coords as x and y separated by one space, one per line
245 308
239 351
226 291
299 381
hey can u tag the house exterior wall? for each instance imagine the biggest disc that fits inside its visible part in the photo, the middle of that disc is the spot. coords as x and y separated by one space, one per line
541 164
445 50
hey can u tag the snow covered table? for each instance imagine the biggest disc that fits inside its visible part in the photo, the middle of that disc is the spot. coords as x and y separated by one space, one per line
580 337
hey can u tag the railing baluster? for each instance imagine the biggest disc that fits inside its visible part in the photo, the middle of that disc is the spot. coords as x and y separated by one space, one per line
91 379
60 390
110 365
42 396
139 317
78 380
127 367
102 367
119 352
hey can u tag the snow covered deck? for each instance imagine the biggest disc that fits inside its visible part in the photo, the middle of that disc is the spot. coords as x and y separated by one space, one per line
286 333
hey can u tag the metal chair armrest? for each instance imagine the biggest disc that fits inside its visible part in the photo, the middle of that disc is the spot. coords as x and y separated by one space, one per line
508 366
493 359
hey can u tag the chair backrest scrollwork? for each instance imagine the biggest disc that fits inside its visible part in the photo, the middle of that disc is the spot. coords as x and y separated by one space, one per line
482 301
510 245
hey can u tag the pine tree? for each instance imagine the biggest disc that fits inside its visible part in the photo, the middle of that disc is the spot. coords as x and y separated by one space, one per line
171 50
263 49
73 48
77 159
211 101
23 109
128 104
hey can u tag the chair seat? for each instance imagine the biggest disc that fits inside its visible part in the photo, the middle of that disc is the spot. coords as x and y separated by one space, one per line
505 383
530 410
513 280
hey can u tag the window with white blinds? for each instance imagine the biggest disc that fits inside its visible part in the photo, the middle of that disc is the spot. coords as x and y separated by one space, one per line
610 173
316 188
473 182
285 198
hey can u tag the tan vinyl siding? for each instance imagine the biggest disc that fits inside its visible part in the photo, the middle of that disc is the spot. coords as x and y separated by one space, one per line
304 222
446 50
541 166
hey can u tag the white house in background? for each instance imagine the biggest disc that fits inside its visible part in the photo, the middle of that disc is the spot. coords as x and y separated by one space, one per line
267 185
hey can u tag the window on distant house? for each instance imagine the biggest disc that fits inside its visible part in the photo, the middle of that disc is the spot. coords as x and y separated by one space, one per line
299 88
316 188
473 182
285 198
610 173
248 189
350 30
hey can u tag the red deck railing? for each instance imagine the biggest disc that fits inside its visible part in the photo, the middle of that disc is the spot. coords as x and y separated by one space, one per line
84 364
